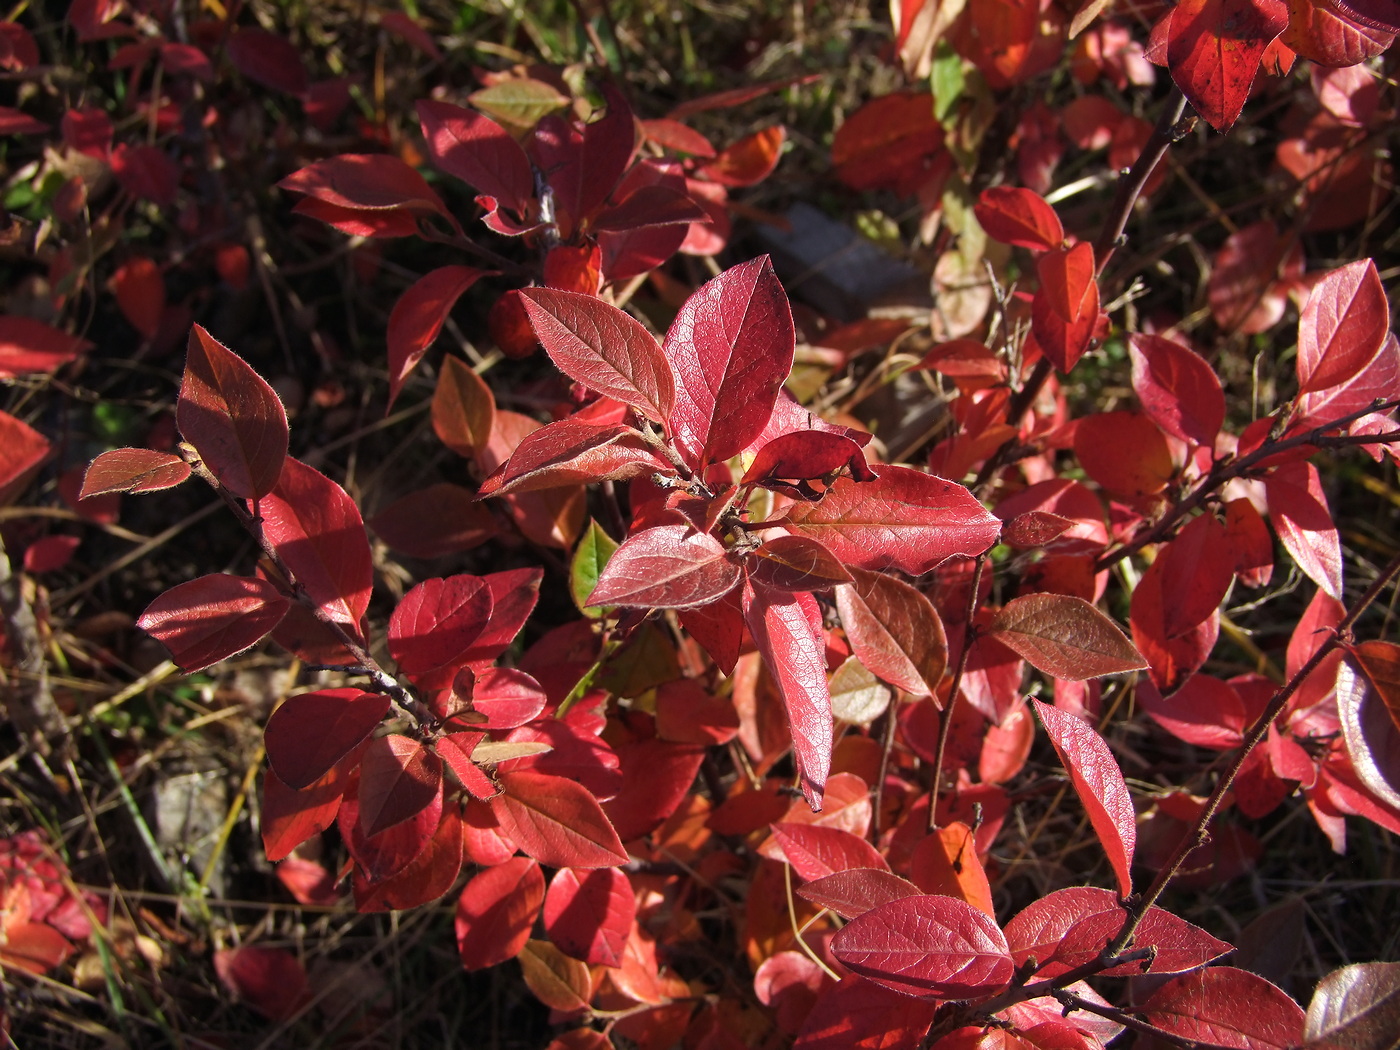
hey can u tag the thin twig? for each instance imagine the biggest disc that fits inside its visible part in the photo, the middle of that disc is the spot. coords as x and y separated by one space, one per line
945 720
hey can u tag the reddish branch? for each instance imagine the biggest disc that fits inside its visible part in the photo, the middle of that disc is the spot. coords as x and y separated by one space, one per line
1229 469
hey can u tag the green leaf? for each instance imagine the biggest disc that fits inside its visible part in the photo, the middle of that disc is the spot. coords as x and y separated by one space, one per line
590 557
522 102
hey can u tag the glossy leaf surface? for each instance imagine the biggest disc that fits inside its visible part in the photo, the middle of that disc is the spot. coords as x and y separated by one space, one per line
212 618
1099 784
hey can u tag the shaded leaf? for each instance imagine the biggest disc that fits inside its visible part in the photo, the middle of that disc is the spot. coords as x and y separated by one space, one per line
1065 637
894 630
1179 391
464 409
232 417
1355 1008
418 317
437 621
399 778
310 732
477 150
495 912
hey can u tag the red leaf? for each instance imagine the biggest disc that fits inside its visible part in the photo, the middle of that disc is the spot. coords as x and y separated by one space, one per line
1250 278
495 912
860 1015
857 890
603 348
1171 659
888 143
1015 215
677 137
33 947
1125 452
1321 33
1064 636
719 628
573 452
146 172
1344 322
477 150
513 597
232 417
88 130
786 628
1248 539
132 470
666 567
795 563
1357 1007
1199 569
430 875
28 346
657 776
1179 391
806 455
731 347
316 529
22 449
291 817
366 182
1070 927
928 946
399 778
309 733
455 750
894 631
1375 14
418 317
139 289
390 852
1061 342
270 980
270 60
748 161
437 622
662 203
1099 784
1298 509
212 618
815 851
904 519
688 713
1226 1007
1214 50
359 223
1205 711
556 821
588 914
435 521
1066 275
